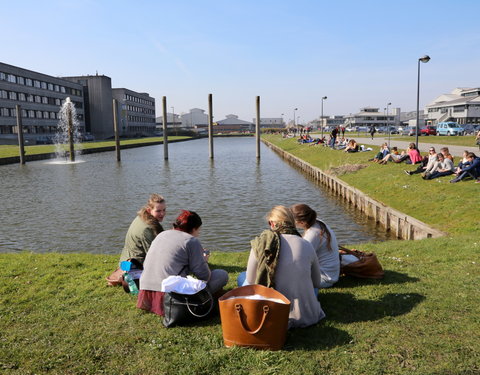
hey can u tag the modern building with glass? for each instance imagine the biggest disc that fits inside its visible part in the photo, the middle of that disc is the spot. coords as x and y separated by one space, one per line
40 98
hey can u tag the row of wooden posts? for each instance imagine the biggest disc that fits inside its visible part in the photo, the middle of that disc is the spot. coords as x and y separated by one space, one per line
165 133
117 135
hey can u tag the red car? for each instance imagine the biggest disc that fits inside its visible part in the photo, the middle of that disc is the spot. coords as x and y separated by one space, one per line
428 130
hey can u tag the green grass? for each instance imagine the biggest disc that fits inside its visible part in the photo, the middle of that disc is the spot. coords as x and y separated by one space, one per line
9 150
58 317
466 140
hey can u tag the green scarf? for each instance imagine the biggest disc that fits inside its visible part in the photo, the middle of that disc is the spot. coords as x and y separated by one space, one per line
267 249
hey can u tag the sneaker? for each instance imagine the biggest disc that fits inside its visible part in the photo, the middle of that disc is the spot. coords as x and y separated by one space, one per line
407 172
453 181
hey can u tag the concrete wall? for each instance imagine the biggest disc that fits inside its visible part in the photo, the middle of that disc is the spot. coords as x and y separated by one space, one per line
404 226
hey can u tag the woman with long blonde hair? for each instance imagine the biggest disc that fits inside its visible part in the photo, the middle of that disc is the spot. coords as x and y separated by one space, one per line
142 231
281 259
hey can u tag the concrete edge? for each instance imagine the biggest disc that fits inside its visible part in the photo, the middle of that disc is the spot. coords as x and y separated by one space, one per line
404 226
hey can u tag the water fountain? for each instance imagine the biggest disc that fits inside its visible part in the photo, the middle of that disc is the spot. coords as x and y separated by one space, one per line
67 131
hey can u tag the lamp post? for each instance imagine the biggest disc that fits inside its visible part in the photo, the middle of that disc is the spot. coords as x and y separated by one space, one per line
294 124
423 59
388 125
283 114
321 117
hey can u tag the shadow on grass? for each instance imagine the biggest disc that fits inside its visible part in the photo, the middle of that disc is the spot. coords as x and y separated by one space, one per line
391 277
345 308
229 269
317 337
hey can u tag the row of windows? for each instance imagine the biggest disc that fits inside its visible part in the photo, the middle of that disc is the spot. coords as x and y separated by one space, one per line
458 108
12 78
133 108
49 115
140 119
23 97
138 100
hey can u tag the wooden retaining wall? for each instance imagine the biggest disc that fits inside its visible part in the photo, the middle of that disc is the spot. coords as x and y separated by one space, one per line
404 226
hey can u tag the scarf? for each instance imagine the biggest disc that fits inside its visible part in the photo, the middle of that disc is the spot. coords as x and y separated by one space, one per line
267 249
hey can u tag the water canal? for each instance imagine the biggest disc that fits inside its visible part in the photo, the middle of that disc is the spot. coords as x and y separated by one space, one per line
88 206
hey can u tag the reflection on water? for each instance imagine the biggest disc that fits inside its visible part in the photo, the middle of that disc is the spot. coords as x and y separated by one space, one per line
87 207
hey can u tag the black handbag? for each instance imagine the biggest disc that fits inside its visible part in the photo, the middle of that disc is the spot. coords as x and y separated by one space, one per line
186 308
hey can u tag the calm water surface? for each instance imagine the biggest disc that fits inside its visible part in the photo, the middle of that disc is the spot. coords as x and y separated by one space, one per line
87 207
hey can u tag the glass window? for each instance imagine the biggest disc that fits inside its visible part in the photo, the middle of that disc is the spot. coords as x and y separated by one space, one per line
50 86
3 77
43 85
44 100
20 80
45 114
12 95
36 83
3 94
12 78
52 115
24 113
57 88
38 99
22 97
31 113
30 98
58 101
28 82
62 89
38 114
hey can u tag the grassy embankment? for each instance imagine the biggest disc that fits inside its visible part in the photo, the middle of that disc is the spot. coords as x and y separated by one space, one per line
423 318
467 140
13 150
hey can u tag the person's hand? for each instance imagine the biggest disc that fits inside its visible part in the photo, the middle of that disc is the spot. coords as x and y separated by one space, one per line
206 254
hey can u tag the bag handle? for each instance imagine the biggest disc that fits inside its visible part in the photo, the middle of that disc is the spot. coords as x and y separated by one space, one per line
239 308
209 309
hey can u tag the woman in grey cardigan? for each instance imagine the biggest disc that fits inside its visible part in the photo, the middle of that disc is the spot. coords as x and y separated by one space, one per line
281 259
176 252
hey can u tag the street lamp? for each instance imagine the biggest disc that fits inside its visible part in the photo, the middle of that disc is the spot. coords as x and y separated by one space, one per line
321 117
283 114
294 124
388 125
423 59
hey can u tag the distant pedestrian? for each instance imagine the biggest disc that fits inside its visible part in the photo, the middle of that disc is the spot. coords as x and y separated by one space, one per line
342 129
372 131
333 137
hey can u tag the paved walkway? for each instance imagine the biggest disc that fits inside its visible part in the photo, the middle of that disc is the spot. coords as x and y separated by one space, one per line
423 144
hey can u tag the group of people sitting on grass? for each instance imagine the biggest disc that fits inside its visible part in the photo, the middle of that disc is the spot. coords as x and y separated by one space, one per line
296 266
434 165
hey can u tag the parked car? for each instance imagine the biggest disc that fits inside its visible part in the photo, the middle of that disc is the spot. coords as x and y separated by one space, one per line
469 129
410 131
449 128
87 137
428 130
44 140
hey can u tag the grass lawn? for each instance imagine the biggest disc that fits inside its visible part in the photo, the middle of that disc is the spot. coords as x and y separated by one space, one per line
422 318
466 140
9 150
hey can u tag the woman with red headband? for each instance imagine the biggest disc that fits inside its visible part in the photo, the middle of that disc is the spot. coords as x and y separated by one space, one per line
177 251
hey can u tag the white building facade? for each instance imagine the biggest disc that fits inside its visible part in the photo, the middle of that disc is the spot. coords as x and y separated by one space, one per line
195 117
462 105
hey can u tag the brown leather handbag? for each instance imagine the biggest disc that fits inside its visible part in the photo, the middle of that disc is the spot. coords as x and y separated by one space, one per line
254 316
367 266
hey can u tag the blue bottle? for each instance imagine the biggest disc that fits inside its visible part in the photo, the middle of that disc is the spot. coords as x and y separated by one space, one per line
132 286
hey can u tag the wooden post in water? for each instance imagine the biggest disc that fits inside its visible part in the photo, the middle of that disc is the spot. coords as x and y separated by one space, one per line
70 130
257 127
21 146
210 126
165 130
115 129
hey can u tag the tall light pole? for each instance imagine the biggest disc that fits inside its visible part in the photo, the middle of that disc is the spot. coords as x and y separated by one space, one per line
388 125
294 124
423 59
173 119
321 117
283 114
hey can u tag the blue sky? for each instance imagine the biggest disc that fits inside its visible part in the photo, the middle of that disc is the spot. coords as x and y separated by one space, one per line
291 53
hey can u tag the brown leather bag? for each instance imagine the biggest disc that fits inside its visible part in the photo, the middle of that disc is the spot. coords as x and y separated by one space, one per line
367 265
260 323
